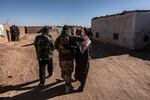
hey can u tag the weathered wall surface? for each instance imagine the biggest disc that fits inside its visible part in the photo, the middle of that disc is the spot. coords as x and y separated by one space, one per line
120 24
34 29
22 31
142 29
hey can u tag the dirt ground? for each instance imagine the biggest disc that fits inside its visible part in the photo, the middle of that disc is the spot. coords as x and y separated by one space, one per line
115 74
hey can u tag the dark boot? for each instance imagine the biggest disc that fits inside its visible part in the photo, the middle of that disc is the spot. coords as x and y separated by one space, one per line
68 88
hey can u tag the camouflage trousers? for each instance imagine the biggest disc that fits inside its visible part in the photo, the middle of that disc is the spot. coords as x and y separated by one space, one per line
66 70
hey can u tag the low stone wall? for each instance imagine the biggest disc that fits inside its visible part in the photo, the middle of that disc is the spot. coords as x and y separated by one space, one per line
34 29
22 31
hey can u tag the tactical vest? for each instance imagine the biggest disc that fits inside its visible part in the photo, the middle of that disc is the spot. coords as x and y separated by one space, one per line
64 41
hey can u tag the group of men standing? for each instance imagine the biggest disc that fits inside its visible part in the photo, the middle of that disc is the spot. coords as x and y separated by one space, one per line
70 47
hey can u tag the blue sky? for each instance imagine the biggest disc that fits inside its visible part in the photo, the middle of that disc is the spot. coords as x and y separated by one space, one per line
60 12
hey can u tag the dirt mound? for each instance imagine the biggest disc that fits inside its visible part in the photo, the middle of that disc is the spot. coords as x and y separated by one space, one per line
17 62
3 39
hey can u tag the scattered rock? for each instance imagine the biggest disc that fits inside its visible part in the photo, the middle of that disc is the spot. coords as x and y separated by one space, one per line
10 76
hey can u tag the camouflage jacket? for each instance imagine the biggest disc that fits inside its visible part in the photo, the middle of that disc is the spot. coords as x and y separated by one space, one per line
44 45
67 52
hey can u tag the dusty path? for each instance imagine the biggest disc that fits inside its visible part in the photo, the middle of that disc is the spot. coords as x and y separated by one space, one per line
115 74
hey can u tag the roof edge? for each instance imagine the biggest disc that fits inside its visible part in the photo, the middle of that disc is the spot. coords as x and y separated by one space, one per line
122 13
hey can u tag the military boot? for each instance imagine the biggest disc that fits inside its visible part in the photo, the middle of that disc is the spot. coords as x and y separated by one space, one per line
68 88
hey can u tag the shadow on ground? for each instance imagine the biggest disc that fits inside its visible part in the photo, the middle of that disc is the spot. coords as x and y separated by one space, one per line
102 50
18 87
49 91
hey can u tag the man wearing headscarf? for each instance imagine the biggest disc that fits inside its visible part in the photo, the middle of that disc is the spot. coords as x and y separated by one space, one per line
82 59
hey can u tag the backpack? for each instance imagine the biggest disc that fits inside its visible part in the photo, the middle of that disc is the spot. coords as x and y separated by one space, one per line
64 41
44 46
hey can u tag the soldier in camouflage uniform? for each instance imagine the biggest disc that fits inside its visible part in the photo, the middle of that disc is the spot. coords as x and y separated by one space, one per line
64 45
44 45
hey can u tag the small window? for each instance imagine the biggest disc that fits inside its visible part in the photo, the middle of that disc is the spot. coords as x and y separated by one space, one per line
146 38
115 36
97 35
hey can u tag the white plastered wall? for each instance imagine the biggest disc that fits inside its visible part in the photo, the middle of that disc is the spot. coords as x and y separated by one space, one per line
123 25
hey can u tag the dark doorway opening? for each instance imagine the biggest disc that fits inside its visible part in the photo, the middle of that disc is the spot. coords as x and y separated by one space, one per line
115 36
146 38
97 35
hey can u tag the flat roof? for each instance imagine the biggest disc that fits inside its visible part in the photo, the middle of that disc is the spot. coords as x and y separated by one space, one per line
122 13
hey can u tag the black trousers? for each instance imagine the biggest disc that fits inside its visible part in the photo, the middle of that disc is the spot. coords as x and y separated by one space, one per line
13 37
82 66
42 66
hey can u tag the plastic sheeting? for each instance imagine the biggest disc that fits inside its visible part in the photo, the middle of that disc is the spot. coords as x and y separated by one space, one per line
2 30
